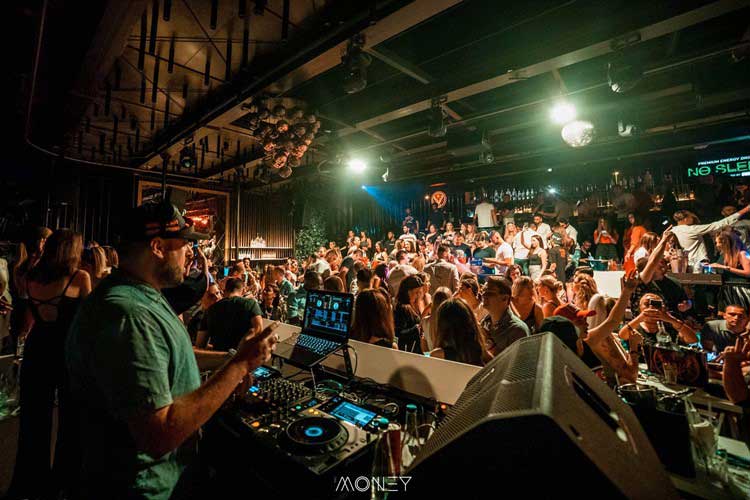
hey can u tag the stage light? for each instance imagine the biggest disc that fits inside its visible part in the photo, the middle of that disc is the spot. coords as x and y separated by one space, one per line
437 127
356 165
427 197
385 176
578 133
363 187
187 157
623 77
355 65
549 170
552 190
562 113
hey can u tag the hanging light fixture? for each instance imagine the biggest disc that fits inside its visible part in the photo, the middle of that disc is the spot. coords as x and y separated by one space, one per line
578 133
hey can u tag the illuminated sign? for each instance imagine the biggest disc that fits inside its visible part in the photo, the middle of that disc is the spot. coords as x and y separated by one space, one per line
439 198
738 166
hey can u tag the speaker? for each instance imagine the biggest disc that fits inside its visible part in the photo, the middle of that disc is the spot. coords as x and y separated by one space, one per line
537 422
466 142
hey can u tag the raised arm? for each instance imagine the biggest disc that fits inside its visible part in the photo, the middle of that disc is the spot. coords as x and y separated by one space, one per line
603 343
656 256
719 224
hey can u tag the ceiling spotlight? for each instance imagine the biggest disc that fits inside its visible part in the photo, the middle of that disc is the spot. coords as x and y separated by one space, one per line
355 63
549 170
427 197
356 165
562 113
552 190
385 176
622 77
578 133
363 187
187 157
437 127
625 129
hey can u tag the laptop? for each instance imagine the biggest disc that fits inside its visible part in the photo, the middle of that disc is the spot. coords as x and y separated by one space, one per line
325 328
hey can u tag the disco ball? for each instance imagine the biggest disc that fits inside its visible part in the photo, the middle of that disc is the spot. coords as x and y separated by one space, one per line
578 133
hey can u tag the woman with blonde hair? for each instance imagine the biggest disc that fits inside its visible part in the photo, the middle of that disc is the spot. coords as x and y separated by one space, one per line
587 297
94 262
548 291
732 255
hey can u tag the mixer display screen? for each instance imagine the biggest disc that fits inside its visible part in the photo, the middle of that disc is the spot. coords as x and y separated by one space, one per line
328 312
353 414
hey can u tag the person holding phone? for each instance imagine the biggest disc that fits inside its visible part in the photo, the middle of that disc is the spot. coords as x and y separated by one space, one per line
647 322
605 240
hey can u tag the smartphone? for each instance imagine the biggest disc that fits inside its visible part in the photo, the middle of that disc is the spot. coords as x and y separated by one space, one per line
658 304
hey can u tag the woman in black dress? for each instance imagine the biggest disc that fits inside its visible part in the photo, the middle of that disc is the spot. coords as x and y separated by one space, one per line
406 317
56 286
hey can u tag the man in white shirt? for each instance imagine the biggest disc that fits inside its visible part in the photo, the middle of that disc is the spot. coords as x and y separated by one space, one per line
521 244
569 230
484 215
503 252
690 234
408 235
542 228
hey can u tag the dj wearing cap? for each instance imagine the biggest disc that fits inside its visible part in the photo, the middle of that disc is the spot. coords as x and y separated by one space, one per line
132 371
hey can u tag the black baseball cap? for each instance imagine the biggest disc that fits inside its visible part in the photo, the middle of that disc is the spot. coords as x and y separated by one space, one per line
161 219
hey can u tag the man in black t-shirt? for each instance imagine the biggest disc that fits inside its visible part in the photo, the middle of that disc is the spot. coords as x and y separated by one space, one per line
390 242
437 217
229 320
460 249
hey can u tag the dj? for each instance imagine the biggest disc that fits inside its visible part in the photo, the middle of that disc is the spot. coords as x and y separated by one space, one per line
133 374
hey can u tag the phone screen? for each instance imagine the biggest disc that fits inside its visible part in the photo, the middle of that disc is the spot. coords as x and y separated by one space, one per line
656 303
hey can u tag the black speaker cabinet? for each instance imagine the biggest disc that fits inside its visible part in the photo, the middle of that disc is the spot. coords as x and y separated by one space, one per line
537 422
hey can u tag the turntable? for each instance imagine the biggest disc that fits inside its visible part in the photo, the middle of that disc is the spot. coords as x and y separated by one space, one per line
311 436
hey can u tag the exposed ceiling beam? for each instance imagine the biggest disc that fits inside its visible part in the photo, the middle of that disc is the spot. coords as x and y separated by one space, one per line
657 30
402 19
398 63
391 25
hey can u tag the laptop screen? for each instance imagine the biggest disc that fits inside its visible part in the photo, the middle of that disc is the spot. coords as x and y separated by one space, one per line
328 312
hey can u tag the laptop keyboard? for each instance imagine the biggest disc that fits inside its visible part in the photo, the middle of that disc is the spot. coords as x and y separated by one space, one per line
316 344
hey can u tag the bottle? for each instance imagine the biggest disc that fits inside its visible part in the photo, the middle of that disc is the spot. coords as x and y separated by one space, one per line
662 337
383 462
410 439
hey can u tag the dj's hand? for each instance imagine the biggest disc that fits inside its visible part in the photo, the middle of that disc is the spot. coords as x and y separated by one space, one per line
256 349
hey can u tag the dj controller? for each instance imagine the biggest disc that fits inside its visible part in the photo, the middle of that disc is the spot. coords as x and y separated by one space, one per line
312 433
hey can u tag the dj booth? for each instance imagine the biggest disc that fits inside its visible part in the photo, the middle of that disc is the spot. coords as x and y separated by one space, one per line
534 415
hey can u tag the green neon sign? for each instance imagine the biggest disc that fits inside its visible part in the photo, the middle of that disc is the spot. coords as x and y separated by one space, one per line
738 166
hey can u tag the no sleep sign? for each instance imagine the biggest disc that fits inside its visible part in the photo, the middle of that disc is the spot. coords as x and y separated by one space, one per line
737 166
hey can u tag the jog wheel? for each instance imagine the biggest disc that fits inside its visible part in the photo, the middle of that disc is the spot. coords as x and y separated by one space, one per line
314 436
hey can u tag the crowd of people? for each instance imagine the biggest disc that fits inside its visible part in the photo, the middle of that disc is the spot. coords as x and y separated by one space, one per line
117 339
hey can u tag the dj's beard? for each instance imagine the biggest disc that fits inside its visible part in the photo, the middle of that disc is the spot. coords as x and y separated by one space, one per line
171 275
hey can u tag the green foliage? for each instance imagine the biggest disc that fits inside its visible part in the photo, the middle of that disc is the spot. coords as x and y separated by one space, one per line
311 236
